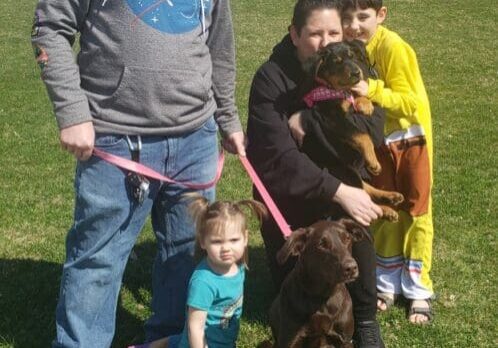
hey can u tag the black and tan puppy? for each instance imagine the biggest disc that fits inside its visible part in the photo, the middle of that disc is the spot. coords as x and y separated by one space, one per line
339 66
313 308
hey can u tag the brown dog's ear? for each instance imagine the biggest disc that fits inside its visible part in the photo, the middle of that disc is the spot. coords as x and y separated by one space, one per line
294 245
357 231
320 322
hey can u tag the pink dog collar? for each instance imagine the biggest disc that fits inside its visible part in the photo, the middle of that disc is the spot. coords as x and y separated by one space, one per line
322 93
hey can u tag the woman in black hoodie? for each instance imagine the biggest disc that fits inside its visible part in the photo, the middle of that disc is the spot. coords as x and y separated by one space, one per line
304 192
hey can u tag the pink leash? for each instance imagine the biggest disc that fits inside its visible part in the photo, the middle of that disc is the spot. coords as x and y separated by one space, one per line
146 171
279 219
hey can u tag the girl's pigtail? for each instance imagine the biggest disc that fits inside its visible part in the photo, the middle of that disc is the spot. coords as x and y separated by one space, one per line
258 208
197 207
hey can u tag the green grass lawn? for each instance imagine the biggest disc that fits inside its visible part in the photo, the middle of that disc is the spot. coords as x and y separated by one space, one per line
457 49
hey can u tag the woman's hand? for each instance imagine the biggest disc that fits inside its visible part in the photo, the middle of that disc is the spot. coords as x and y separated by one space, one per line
235 143
296 128
358 204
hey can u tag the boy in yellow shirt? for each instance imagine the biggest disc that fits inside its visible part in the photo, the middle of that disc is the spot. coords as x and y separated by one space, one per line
404 249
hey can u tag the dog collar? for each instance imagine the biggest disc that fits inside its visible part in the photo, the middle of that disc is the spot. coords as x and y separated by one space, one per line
322 93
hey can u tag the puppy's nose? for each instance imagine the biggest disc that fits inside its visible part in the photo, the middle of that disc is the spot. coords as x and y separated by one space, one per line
356 73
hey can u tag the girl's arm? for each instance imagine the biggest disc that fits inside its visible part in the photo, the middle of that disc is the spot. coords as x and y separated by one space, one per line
196 326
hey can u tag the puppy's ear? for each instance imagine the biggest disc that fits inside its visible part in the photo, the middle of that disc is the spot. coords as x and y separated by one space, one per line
356 230
312 65
294 245
310 68
359 50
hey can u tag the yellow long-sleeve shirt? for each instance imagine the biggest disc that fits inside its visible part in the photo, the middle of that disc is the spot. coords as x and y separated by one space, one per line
399 89
401 92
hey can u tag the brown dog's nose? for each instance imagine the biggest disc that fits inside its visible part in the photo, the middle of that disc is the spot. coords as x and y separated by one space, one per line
350 268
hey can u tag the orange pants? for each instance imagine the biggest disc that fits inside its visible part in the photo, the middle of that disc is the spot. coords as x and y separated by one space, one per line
404 248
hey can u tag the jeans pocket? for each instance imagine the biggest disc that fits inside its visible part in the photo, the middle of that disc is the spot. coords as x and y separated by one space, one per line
108 140
210 126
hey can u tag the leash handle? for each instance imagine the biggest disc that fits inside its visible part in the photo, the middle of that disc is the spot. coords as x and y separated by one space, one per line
279 219
149 172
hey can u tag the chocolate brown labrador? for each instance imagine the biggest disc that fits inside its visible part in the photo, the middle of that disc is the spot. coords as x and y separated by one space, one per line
313 308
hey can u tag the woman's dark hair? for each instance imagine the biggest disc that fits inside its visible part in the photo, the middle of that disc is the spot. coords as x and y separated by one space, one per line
363 4
303 9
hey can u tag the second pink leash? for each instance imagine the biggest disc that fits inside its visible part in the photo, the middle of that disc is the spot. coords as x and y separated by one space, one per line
277 215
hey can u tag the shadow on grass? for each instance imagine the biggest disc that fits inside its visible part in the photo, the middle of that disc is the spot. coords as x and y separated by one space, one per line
29 291
28 296
259 290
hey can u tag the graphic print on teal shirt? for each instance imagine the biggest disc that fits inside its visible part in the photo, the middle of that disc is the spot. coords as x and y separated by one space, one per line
171 16
229 312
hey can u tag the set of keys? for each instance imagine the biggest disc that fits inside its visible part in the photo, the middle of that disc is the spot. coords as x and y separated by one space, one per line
138 184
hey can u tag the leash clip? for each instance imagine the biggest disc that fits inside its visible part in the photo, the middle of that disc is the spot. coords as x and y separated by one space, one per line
138 184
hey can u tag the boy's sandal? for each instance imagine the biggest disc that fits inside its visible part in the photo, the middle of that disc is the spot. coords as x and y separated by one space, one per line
428 312
387 298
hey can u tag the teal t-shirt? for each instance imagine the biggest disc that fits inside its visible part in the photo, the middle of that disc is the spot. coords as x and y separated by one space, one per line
221 297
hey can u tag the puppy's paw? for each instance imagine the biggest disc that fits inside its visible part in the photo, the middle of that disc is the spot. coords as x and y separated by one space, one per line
390 214
364 106
345 105
374 167
396 198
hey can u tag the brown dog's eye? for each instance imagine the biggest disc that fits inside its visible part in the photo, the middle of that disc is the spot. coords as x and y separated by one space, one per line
346 238
324 243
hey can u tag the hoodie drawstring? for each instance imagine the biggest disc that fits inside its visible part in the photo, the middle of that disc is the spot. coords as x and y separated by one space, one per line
203 18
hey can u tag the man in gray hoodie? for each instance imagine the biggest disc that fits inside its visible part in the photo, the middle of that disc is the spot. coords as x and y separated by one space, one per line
152 82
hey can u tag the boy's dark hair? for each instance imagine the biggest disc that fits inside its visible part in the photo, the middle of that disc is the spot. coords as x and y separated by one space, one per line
363 4
303 9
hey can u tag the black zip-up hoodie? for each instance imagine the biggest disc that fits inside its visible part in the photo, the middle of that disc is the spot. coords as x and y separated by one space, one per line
302 190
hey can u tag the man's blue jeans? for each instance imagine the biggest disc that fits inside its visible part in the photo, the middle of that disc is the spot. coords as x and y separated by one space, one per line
107 222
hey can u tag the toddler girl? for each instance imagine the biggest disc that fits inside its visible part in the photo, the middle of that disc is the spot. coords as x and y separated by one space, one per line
215 292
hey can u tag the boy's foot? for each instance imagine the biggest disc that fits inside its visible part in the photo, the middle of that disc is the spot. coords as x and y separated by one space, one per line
420 312
384 301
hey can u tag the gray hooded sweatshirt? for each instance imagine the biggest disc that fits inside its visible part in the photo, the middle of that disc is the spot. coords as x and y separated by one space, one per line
150 67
